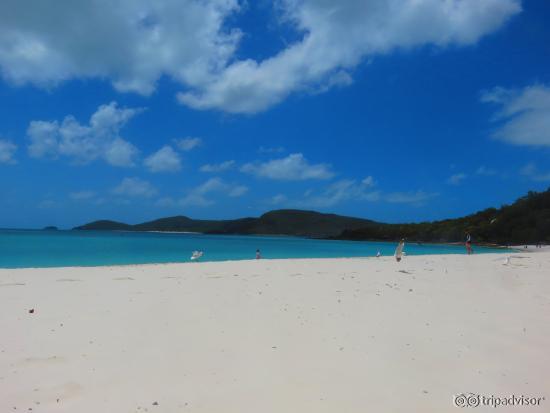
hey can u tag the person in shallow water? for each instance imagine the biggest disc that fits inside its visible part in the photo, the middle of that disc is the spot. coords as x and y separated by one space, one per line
258 254
468 244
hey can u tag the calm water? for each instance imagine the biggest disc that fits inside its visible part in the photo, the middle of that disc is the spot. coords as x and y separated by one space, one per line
22 248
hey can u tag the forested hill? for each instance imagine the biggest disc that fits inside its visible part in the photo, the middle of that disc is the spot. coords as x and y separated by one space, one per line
525 221
279 222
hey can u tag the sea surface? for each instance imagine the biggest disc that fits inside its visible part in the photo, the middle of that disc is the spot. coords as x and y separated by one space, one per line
38 248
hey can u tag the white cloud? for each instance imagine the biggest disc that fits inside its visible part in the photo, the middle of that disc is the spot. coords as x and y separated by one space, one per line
198 195
237 191
292 168
7 152
133 43
456 179
368 181
82 195
524 115
164 160
336 37
100 139
219 167
135 187
532 172
187 144
120 153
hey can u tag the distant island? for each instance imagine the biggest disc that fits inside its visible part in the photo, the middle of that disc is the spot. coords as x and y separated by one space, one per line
527 220
50 228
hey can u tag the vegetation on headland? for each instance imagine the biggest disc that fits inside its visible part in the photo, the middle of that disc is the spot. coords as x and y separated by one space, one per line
280 222
527 220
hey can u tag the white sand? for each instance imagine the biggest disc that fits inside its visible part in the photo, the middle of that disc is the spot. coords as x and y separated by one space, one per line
333 335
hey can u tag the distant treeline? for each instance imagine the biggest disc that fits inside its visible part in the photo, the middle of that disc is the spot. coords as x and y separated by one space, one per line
525 221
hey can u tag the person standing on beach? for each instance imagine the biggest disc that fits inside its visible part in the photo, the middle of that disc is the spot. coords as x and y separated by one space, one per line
258 254
399 250
468 243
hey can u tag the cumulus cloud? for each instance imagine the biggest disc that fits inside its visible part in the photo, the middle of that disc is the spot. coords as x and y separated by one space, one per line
135 187
164 160
292 168
133 43
524 114
456 179
130 42
335 37
219 167
187 144
82 195
199 195
99 139
7 152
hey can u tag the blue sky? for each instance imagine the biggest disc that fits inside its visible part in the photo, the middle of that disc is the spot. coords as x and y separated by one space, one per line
390 110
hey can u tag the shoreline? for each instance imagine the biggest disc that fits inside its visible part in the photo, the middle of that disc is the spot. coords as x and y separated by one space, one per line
454 243
189 262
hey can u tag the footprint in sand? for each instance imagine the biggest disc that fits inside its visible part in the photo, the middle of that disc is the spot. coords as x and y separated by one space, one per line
123 279
11 284
67 280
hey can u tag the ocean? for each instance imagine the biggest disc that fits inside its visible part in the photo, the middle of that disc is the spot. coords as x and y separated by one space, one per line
39 248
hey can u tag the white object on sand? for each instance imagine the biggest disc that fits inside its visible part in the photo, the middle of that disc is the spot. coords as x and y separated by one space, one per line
196 255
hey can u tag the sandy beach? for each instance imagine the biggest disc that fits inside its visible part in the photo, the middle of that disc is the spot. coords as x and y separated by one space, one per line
316 335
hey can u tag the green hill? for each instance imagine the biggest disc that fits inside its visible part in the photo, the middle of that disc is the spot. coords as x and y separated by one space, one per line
280 222
525 221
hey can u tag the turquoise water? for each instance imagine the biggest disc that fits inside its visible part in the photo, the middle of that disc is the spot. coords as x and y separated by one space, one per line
24 248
